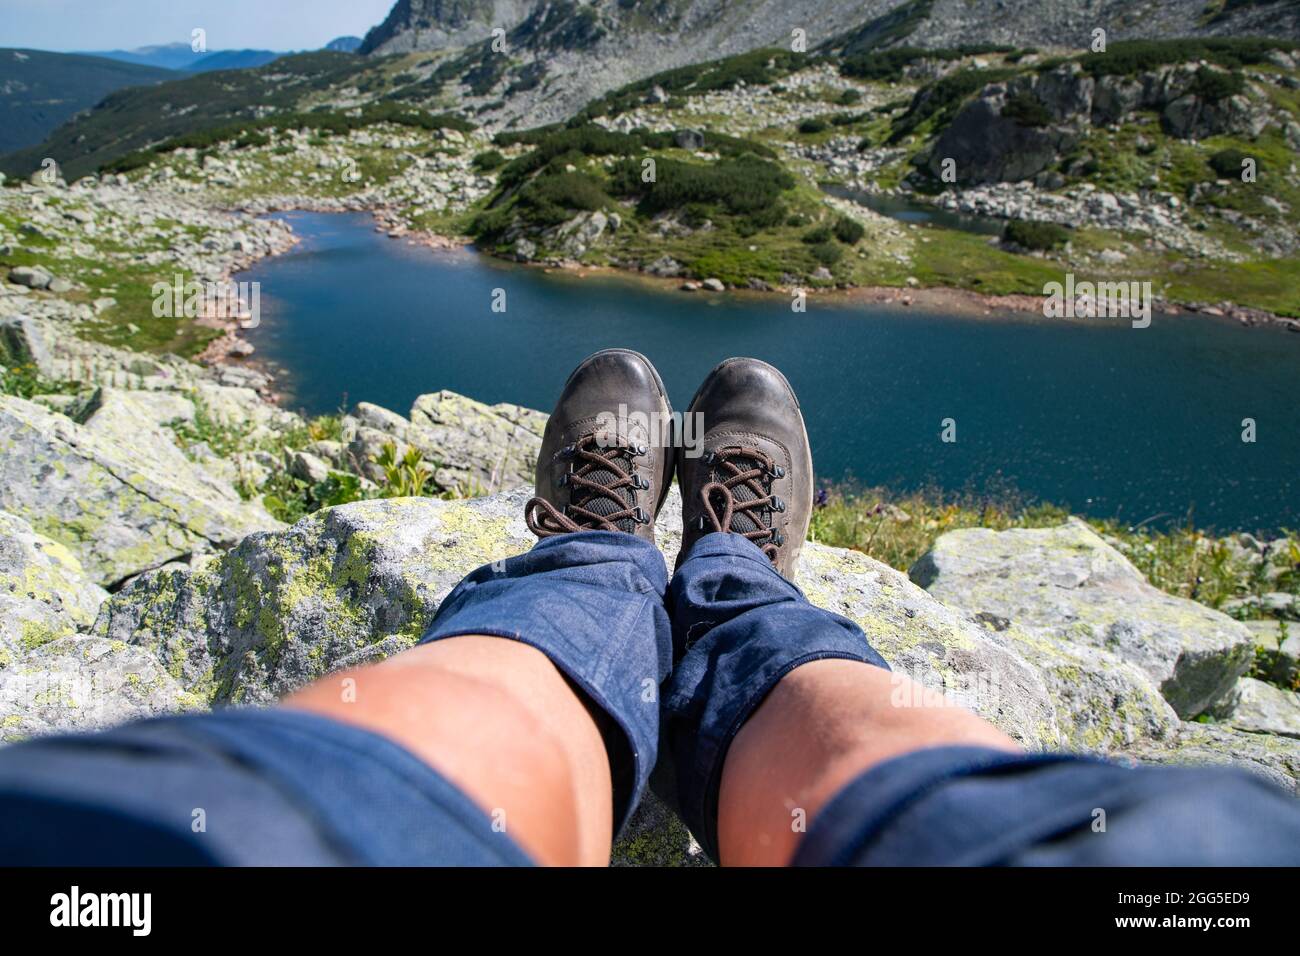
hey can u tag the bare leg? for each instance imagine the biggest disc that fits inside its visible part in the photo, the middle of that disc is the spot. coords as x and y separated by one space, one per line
823 725
496 718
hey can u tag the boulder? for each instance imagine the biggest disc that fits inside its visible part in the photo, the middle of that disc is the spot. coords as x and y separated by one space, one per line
988 147
1276 759
121 505
44 593
477 448
84 683
33 277
1261 708
1068 585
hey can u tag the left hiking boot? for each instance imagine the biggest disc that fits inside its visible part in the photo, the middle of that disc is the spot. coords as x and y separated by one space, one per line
754 477
605 462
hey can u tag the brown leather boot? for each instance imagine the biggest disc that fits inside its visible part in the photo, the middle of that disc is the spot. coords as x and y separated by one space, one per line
606 461
755 475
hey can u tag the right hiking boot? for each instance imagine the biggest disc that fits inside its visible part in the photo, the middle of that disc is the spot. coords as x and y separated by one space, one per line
606 462
754 476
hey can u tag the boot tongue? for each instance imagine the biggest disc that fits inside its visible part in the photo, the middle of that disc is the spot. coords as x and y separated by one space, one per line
602 504
743 522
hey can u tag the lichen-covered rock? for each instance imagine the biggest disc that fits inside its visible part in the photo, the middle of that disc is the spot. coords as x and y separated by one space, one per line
474 448
84 683
656 836
358 582
1276 759
1067 584
44 594
485 448
1261 708
121 506
1103 704
284 608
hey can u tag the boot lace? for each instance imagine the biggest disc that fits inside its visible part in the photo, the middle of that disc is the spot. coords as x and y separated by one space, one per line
740 499
603 491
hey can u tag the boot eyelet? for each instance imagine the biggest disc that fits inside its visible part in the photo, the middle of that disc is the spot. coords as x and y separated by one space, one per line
641 450
709 458
563 480
778 505
778 538
640 516
568 451
778 472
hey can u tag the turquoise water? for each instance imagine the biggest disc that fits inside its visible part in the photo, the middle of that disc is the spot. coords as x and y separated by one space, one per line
1102 418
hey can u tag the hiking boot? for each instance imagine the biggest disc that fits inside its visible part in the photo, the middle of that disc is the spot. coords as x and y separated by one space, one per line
754 477
605 463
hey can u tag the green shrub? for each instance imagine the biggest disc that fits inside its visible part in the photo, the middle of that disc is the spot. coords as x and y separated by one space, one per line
1025 110
826 253
849 97
849 231
745 186
813 125
489 160
1040 236
1215 85
1126 57
817 235
551 199
1228 163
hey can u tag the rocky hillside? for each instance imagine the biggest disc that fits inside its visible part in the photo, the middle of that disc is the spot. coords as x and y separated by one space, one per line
562 53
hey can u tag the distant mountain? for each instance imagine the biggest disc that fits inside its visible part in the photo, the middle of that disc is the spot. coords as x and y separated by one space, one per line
234 60
179 56
40 91
344 44
128 120
169 56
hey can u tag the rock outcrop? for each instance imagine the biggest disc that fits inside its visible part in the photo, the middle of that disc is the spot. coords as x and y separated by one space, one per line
121 502
1069 586
474 448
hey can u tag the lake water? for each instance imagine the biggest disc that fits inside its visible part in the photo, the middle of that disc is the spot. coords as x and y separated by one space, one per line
1097 416
915 212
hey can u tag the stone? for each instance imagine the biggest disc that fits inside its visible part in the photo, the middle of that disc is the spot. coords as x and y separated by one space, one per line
33 277
121 506
691 139
1069 585
44 592
1277 650
665 267
1261 708
308 467
477 448
714 285
85 683
1275 759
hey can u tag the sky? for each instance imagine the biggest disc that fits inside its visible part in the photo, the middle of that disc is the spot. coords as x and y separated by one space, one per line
68 25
